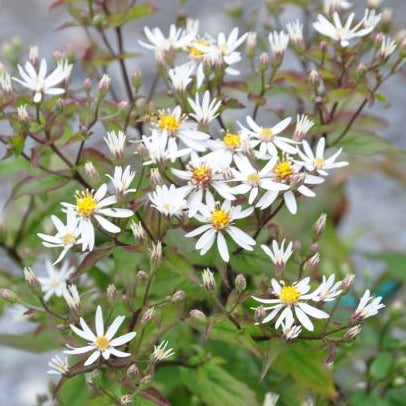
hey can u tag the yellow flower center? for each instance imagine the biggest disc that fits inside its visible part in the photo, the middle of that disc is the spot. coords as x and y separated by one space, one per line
254 179
266 134
194 48
169 123
85 203
289 294
68 239
318 163
202 175
220 219
283 170
54 283
102 343
233 141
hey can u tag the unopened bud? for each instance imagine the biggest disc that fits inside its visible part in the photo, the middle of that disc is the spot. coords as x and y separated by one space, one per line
323 45
178 296
148 315
251 44
132 370
126 400
312 263
353 332
138 231
319 225
8 295
155 177
136 79
373 3
87 84
123 105
23 114
361 69
297 245
142 275
197 314
32 279
156 252
314 247
387 14
111 292
240 283
399 381
259 313
209 282
396 308
263 62
91 171
33 55
104 84
146 380
347 281
61 327
314 77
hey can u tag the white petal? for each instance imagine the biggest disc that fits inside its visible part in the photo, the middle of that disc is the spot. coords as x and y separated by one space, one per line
92 358
112 330
123 339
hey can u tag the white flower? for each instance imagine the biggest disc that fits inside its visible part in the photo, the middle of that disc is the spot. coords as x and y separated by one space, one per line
317 162
295 31
344 34
252 179
39 83
327 291
330 6
177 128
285 171
291 302
180 76
169 201
278 42
58 366
67 235
161 353
5 82
90 205
116 143
388 47
371 20
158 150
271 399
201 175
303 125
55 283
102 343
290 331
267 138
279 255
219 219
368 306
207 110
72 297
122 180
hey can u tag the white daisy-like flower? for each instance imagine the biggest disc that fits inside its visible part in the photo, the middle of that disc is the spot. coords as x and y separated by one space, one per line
89 206
328 290
55 283
67 235
291 303
180 76
344 33
219 220
371 19
158 151
122 180
161 352
176 39
58 366
278 42
288 172
267 138
39 83
5 82
252 179
170 201
329 6
317 162
295 31
279 255
116 143
303 125
388 47
72 297
206 111
102 343
290 331
368 306
202 174
175 125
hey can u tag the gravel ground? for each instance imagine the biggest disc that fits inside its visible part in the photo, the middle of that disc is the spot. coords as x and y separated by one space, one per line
22 374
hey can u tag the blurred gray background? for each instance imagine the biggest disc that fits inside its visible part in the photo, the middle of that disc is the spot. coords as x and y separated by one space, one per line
377 204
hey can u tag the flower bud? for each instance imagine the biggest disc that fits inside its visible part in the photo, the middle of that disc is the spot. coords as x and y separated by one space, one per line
387 14
197 314
155 177
353 332
111 292
104 84
142 275
132 370
373 3
314 77
399 381
126 400
319 225
156 252
251 44
61 327
148 315
240 283
259 313
87 84
209 282
311 263
178 296
263 62
136 79
347 281
33 55
146 380
123 105
8 295
32 279
23 114
314 247
297 245
138 231
91 171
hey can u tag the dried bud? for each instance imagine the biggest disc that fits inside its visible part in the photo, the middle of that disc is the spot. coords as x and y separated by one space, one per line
240 283
148 315
209 282
32 279
23 114
259 313
314 77
155 177
347 281
33 55
8 295
136 79
111 292
156 252
353 332
138 231
263 62
319 225
132 370
198 315
87 84
91 171
104 84
178 296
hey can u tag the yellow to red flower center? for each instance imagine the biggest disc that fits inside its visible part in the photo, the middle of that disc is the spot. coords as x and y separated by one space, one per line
318 163
253 179
233 141
220 219
85 203
266 134
289 294
69 238
102 343
202 175
283 170
194 47
168 123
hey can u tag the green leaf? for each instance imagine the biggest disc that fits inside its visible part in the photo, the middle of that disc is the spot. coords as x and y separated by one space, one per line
365 143
381 365
30 342
135 12
395 261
